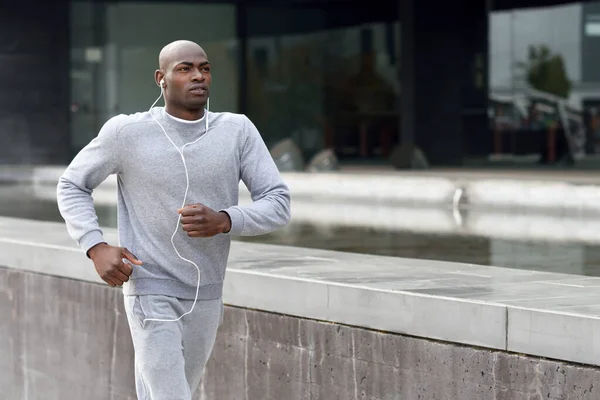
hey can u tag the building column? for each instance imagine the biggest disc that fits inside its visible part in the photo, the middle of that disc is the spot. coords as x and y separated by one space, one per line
34 99
444 78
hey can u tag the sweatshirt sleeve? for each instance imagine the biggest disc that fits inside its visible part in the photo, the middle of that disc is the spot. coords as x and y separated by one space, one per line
90 167
270 209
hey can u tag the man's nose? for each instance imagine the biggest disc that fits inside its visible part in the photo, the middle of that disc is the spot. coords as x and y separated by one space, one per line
198 76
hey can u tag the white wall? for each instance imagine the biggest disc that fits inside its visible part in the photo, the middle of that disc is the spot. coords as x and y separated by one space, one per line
512 32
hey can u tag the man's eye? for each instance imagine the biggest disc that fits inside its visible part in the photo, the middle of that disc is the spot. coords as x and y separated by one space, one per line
207 69
185 68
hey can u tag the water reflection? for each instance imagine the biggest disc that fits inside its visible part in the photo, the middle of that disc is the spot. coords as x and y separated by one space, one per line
572 258
547 243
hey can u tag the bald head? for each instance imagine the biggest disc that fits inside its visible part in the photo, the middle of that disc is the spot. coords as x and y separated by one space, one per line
177 51
184 75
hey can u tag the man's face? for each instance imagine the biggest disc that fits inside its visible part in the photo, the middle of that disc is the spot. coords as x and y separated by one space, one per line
188 80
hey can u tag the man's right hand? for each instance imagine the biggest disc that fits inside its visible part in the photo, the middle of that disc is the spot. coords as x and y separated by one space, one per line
109 263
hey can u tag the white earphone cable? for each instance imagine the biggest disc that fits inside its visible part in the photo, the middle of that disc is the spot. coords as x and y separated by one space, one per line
187 180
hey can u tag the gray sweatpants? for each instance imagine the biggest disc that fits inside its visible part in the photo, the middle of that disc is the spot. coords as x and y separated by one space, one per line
170 356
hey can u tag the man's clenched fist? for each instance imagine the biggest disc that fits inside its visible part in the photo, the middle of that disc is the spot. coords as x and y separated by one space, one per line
201 221
109 263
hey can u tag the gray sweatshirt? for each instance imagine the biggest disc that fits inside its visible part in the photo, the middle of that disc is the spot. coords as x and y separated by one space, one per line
151 187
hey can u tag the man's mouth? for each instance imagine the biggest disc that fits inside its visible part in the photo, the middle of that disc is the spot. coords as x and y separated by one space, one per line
198 90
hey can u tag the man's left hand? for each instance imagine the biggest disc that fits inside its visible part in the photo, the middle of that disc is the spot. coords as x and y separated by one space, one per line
201 221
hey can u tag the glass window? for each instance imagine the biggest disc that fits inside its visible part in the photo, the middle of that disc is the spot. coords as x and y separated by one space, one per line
87 88
543 81
113 60
326 78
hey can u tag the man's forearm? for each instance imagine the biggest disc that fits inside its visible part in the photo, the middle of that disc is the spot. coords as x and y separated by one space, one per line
90 167
263 216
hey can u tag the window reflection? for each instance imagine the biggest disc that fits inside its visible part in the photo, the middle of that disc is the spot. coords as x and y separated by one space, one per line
113 60
543 75
325 86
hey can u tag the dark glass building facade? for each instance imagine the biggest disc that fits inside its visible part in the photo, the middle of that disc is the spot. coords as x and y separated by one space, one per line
470 83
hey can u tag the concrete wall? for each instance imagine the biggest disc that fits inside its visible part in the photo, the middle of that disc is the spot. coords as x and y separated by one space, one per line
62 338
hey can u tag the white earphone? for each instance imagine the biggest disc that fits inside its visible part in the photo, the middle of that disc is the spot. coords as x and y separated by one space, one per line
187 188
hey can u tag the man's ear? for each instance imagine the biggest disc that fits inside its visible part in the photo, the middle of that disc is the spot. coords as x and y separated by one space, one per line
158 77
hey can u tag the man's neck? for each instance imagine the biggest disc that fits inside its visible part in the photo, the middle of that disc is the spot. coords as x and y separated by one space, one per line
188 115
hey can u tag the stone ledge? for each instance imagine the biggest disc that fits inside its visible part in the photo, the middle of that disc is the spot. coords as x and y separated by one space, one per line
430 299
566 227
548 195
